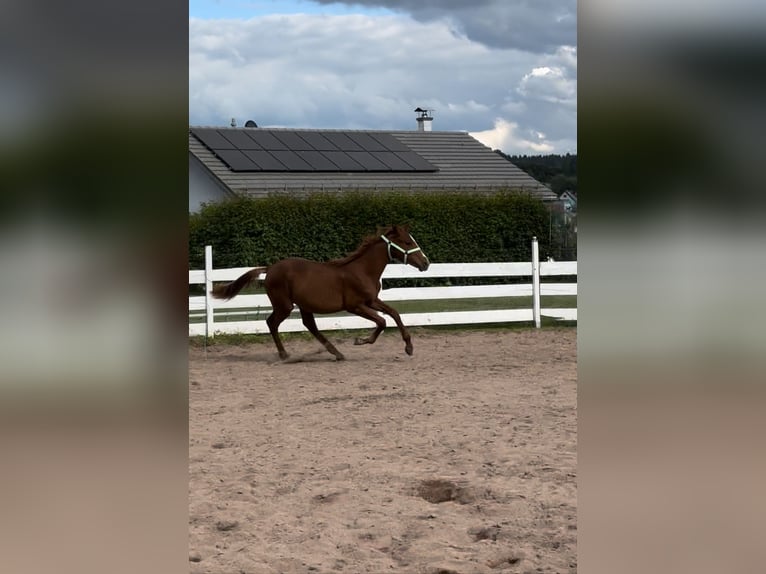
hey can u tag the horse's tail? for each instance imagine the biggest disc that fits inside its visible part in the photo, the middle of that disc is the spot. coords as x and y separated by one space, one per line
230 289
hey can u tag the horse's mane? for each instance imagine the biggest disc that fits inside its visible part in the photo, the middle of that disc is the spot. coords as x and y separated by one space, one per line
361 250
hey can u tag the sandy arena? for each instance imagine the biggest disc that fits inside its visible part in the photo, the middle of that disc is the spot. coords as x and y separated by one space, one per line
458 460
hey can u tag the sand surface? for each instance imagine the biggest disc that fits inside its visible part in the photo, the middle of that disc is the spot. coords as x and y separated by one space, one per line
458 460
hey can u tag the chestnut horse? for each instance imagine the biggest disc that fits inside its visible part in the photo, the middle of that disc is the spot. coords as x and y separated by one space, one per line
348 284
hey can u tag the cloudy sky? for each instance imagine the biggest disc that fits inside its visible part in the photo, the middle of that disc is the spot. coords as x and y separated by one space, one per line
503 70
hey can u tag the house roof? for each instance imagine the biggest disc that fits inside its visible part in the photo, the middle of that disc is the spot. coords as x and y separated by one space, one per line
434 160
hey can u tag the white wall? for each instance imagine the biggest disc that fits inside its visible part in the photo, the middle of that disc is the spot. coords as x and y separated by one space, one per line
202 186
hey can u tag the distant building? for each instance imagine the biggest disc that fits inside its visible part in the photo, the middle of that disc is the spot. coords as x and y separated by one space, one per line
569 201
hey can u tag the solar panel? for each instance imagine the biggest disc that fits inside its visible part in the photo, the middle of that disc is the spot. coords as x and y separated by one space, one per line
317 161
239 139
265 161
236 160
292 160
342 141
368 161
343 161
292 140
266 140
212 139
417 162
366 141
256 149
390 142
394 162
318 141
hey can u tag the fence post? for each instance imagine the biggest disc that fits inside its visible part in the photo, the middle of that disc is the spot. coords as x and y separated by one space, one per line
208 287
535 282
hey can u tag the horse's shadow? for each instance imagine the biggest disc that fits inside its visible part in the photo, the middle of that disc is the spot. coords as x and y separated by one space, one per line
316 356
271 358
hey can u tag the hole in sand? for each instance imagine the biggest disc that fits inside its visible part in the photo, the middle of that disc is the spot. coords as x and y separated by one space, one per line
437 491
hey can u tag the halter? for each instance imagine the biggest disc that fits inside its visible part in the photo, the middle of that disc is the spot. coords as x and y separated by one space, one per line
390 244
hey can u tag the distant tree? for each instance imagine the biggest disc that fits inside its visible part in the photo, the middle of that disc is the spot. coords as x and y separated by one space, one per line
560 183
559 172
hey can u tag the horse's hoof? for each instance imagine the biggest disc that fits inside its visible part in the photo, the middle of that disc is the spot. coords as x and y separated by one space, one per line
284 356
408 349
359 341
340 357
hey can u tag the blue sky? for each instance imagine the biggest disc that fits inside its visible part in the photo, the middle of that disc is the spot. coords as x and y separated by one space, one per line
242 9
503 70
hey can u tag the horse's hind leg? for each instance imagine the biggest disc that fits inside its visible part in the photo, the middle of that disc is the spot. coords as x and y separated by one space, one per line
380 324
379 305
311 325
280 313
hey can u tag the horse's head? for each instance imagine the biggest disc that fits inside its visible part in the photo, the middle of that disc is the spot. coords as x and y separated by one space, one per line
402 247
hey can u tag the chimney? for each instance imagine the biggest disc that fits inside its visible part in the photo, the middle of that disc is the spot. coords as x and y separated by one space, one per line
424 119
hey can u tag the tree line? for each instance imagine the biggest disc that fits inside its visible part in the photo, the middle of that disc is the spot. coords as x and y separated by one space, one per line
559 172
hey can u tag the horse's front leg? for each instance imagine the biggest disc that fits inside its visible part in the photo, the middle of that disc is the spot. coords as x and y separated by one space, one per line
379 305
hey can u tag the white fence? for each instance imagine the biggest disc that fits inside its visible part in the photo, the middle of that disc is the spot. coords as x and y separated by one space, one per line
259 304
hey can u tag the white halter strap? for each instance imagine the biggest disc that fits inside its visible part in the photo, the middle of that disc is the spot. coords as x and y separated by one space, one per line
391 244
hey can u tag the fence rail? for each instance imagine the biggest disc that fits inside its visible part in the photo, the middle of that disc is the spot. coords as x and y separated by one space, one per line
248 305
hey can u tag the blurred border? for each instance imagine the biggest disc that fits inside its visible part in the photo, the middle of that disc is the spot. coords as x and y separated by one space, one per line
671 255
93 220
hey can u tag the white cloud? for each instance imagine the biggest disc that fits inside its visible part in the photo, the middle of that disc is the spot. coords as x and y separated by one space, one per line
567 56
549 84
505 136
370 72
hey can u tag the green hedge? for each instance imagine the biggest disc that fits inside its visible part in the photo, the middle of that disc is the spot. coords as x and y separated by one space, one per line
450 227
